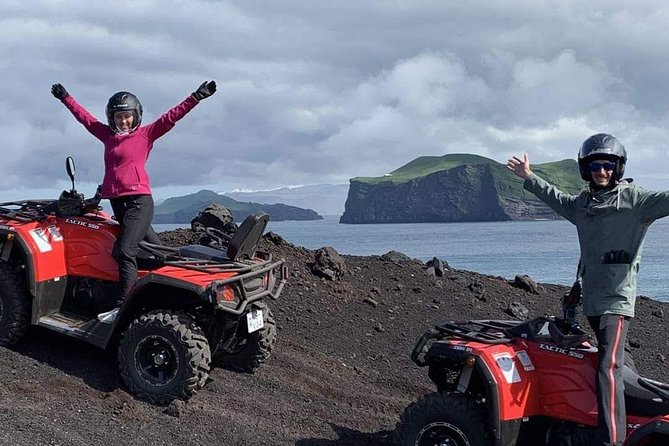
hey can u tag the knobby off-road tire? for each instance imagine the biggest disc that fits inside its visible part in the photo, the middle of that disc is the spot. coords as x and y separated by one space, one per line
444 418
254 349
14 305
163 357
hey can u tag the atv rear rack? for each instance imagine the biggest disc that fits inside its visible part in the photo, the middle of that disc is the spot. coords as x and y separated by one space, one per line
212 266
173 256
246 288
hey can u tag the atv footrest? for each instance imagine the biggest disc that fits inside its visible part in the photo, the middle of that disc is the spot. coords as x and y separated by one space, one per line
91 330
62 322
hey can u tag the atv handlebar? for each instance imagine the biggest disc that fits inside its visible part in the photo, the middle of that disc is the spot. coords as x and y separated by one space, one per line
73 204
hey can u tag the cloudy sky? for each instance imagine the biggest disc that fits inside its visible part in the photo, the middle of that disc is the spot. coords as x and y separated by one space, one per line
315 92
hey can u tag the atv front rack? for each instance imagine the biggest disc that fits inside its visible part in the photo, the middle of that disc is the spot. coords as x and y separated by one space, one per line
484 331
27 210
546 328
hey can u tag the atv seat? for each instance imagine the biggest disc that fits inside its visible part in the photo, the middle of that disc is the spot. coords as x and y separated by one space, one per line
203 252
243 244
644 397
150 256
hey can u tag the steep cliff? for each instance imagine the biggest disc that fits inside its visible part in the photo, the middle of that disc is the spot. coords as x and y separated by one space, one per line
453 188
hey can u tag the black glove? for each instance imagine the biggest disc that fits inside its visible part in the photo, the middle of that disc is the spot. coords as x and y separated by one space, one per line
59 92
204 91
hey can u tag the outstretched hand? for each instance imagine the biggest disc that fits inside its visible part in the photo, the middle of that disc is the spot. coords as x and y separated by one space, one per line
520 167
59 92
205 90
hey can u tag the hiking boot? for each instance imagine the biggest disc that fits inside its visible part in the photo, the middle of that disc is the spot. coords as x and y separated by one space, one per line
108 317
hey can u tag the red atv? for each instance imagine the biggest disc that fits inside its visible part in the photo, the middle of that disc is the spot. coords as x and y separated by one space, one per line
189 305
529 383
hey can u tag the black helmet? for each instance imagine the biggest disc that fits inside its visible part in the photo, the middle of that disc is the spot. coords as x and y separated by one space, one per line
123 101
602 146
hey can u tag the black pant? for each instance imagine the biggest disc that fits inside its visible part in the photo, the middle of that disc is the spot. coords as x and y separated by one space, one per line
611 333
134 213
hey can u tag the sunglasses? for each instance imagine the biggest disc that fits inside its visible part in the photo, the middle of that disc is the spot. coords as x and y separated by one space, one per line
607 166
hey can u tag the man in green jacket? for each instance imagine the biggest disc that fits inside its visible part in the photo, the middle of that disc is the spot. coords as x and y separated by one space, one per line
611 216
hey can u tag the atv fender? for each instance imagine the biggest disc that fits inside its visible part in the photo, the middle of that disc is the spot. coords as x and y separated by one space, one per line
39 247
657 429
493 373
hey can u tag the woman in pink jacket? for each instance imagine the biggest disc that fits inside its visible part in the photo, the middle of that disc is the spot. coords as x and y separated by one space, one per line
126 184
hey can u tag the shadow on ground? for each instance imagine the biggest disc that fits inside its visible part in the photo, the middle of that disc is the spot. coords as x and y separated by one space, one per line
94 366
350 437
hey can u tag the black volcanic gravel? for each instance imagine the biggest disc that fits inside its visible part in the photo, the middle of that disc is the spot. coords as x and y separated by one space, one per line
340 373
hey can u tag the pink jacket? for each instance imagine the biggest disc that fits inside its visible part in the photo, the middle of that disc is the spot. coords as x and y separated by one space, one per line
126 155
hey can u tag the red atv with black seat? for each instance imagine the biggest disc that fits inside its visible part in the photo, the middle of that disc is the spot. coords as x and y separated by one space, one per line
531 383
190 305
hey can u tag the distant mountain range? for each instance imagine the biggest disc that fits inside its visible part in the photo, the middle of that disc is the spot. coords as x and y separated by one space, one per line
326 199
449 188
454 188
183 209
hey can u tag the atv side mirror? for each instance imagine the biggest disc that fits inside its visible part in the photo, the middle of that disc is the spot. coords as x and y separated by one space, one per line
71 169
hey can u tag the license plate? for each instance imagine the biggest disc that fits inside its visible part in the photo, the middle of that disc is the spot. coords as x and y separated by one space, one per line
254 320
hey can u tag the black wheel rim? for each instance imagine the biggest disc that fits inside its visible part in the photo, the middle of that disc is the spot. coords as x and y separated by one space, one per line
441 433
156 360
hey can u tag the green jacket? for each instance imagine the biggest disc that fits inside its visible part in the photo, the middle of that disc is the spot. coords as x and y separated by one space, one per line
611 226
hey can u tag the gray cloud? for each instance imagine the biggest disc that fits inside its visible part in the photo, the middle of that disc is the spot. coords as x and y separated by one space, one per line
313 92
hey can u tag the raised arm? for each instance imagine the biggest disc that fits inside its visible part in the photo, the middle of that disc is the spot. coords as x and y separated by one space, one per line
653 205
168 120
94 127
561 202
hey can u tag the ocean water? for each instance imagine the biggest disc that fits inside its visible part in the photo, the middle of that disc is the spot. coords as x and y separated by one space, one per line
547 251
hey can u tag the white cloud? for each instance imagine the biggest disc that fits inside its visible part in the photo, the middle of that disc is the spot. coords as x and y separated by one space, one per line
313 92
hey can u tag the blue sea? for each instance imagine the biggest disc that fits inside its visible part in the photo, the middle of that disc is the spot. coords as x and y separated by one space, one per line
547 251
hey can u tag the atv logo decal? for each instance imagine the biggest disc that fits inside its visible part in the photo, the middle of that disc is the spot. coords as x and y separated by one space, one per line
525 360
462 348
562 351
85 224
508 366
44 237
